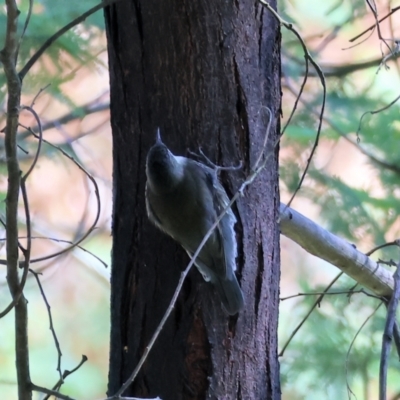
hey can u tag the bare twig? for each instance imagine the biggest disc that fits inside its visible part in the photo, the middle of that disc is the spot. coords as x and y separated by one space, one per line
382 246
50 392
61 32
308 57
351 346
376 112
349 292
27 19
373 26
388 334
255 170
65 374
317 302
53 332
36 116
77 113
93 226
41 90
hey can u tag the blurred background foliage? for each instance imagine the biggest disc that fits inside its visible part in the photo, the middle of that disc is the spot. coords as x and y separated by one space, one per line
71 79
351 189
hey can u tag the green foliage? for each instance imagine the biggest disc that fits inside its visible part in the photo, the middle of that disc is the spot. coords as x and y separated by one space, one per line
330 352
77 47
362 206
351 113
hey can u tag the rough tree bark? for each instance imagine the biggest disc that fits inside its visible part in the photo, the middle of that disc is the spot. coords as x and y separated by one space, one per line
201 71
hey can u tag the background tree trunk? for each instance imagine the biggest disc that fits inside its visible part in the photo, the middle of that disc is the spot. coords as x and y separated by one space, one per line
201 71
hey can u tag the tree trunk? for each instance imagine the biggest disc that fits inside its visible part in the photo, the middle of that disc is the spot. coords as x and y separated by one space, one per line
201 71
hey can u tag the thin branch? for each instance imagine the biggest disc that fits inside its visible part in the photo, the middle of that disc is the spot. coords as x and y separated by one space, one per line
61 32
382 246
50 392
396 336
373 26
255 170
8 57
26 252
27 19
59 241
53 332
376 112
388 334
382 163
349 292
41 90
65 374
75 114
96 188
317 302
351 346
318 69
36 116
71 243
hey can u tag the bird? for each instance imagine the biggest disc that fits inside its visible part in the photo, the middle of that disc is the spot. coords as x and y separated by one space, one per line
184 199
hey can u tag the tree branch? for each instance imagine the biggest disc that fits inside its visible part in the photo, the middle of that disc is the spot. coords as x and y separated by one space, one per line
8 56
325 245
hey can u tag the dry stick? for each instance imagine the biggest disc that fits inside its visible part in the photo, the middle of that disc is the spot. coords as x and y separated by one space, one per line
388 333
254 172
308 56
53 332
59 33
351 345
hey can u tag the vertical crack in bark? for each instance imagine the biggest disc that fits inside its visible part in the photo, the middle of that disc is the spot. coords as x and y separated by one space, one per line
197 360
259 276
260 36
139 19
242 114
239 391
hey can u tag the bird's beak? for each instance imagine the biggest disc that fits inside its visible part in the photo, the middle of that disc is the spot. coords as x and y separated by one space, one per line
158 136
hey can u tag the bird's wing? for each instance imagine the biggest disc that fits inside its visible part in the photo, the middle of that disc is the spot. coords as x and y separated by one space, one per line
225 234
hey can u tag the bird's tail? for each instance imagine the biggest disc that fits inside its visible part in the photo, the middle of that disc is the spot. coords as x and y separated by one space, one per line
230 293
